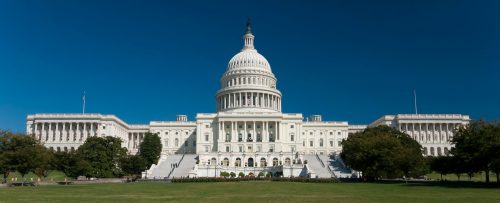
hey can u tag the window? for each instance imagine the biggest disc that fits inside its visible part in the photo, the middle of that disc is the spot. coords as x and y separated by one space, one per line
207 148
292 137
186 143
331 143
311 133
166 133
338 133
166 142
291 126
206 137
311 143
240 148
176 133
207 126
339 143
176 142
321 142
227 148
331 133
238 162
250 149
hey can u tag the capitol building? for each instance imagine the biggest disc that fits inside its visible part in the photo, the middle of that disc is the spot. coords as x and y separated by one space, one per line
247 134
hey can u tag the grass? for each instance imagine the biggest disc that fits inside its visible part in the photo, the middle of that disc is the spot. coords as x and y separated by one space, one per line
478 177
260 191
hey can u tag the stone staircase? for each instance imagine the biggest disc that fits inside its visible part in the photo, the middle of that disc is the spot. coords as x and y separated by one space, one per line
164 168
337 166
186 165
317 167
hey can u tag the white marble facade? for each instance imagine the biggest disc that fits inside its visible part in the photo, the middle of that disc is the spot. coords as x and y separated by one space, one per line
432 131
248 127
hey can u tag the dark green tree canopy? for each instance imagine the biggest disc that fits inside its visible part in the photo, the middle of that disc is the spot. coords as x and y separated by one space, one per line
478 146
150 148
103 155
383 152
133 165
24 154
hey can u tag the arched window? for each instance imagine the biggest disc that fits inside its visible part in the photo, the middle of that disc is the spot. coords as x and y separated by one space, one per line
238 162
439 151
432 151
287 161
250 162
275 161
263 162
225 162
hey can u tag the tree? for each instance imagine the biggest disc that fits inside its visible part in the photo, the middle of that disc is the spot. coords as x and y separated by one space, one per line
232 174
478 144
24 154
383 152
71 164
150 148
133 165
100 157
442 165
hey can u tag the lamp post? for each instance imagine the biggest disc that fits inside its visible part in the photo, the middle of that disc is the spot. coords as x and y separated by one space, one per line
281 160
218 161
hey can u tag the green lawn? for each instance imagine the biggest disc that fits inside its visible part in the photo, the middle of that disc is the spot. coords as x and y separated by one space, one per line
260 191
478 177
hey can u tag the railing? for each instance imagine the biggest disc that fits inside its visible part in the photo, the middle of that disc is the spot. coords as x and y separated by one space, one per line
320 161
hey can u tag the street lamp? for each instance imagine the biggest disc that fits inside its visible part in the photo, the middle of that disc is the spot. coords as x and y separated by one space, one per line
216 163
281 160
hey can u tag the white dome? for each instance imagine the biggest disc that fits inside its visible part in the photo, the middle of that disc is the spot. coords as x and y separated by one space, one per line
248 58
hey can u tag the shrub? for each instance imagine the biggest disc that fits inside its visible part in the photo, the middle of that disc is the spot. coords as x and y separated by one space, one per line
261 174
232 174
241 175
224 174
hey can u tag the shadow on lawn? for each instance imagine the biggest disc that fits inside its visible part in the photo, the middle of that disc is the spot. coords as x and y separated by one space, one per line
448 184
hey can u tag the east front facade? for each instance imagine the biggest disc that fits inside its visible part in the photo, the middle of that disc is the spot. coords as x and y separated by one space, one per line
247 134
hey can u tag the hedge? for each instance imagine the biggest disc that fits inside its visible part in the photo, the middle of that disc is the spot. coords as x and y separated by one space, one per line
302 180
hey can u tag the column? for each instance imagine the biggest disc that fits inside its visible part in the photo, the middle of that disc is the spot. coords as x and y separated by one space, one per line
78 134
245 137
276 130
254 132
65 134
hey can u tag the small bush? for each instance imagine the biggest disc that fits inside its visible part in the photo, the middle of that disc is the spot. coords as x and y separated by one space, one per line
241 175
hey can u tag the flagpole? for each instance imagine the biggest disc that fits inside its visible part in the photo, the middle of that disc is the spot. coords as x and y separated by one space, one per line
415 96
83 109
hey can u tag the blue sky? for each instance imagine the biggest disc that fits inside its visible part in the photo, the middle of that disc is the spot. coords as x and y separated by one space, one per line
150 60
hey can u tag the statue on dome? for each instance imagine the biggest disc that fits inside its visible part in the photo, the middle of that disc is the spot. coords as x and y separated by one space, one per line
249 27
